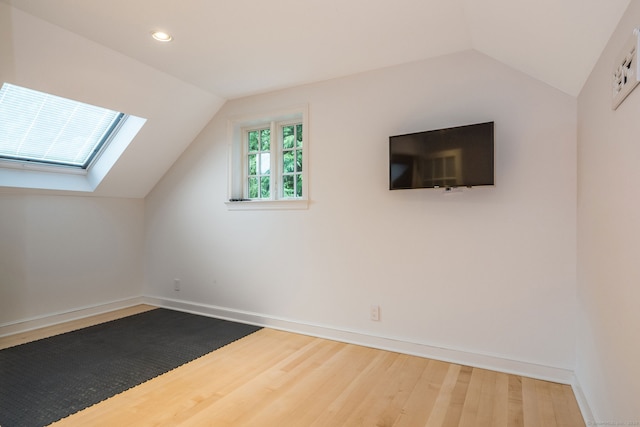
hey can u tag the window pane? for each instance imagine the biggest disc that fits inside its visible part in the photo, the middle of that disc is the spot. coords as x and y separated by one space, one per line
253 188
253 168
265 139
288 186
298 160
265 163
288 137
254 144
265 191
299 136
288 161
299 185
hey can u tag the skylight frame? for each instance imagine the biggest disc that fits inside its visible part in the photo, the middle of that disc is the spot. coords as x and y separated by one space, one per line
97 146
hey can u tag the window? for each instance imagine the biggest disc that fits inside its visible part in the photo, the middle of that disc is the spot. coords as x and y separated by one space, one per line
40 128
52 143
268 161
287 180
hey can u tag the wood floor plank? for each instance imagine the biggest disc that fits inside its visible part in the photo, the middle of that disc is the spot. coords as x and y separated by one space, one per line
469 411
340 406
383 404
444 400
545 405
345 410
486 402
276 401
421 402
324 386
280 379
458 397
559 403
530 399
501 401
516 410
410 377
565 405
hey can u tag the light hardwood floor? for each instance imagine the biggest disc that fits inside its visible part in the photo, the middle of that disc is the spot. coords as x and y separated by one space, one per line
275 378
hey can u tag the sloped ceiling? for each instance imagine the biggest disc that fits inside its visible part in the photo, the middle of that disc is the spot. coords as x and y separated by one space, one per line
101 52
241 47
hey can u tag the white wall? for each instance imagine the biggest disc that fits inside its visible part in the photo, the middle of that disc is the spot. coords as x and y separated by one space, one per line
488 270
608 240
62 253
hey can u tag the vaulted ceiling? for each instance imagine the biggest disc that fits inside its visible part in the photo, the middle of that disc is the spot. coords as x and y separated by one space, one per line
102 53
235 48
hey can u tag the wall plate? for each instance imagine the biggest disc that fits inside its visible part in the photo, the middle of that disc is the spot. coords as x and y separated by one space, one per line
626 72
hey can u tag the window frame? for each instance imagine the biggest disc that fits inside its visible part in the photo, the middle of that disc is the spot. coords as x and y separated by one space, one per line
238 128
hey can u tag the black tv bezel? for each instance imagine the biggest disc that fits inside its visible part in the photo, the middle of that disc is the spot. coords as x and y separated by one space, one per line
446 187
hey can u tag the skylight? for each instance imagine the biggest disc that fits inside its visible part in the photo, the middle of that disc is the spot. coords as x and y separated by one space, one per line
40 128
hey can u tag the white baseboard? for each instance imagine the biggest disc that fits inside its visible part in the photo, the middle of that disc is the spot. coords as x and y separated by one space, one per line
563 376
585 409
510 366
51 319
547 373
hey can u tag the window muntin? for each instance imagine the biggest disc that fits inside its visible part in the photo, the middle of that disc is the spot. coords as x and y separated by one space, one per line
40 128
269 180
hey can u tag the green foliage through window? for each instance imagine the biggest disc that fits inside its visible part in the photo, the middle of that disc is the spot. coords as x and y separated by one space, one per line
259 163
259 150
292 161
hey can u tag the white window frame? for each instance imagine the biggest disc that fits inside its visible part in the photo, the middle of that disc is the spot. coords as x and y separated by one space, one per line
238 128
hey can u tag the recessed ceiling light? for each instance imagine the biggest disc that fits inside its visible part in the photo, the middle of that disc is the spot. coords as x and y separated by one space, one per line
161 36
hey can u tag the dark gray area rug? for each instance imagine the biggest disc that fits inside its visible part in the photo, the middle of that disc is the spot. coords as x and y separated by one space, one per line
49 379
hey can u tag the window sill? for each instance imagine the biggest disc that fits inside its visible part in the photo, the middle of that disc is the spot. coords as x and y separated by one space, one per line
258 205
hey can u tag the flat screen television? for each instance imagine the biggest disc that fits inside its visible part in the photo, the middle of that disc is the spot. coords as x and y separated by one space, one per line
443 158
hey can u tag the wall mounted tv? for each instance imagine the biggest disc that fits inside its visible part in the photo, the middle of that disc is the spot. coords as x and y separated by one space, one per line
443 158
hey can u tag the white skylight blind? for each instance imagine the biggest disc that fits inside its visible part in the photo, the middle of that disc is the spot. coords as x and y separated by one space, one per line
43 128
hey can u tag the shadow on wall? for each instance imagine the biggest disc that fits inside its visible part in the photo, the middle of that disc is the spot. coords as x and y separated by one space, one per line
13 273
8 64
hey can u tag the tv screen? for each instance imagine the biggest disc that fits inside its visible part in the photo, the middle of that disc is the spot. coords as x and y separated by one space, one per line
454 157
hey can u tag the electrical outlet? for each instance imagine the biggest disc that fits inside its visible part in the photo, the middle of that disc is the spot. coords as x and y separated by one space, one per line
176 285
375 313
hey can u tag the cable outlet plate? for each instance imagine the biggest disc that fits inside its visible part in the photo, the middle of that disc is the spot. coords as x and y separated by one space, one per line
375 313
